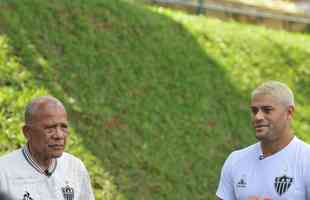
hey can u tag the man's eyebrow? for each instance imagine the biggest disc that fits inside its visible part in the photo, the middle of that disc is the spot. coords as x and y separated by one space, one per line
266 107
261 107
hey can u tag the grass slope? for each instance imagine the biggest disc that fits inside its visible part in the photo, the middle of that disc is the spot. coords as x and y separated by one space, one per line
157 98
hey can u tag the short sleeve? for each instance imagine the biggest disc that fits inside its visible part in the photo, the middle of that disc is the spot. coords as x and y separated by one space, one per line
86 188
3 181
306 173
225 188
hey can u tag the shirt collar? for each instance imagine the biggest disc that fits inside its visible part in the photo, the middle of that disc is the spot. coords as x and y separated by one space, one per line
48 172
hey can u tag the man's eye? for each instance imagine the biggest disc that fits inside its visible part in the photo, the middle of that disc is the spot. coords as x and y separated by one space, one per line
254 110
50 129
64 126
267 110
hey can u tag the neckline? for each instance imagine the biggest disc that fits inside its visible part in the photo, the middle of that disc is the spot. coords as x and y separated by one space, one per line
47 172
262 157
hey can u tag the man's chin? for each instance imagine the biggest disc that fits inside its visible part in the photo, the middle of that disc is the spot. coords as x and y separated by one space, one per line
260 135
57 155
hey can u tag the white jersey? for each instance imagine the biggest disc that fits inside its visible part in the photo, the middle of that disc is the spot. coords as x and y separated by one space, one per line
22 178
284 175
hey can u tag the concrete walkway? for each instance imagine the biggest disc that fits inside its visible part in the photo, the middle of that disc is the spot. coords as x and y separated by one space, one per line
297 18
303 7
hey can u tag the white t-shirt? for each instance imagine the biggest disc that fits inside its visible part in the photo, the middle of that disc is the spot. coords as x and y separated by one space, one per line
284 175
67 179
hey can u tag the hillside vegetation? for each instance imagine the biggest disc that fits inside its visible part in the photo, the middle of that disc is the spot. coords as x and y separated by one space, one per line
157 98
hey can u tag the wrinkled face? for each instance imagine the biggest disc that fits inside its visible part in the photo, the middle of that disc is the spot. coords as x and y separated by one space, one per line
47 132
270 118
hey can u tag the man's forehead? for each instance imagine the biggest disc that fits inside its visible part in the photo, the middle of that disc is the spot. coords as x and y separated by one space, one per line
265 101
48 109
47 106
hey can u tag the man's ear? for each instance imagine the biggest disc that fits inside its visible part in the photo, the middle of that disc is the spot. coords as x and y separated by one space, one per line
290 111
26 132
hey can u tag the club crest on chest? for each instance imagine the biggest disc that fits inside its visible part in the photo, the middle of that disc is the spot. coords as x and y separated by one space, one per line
68 192
282 184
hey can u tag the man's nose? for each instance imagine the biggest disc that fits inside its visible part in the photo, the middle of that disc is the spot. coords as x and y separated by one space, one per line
259 115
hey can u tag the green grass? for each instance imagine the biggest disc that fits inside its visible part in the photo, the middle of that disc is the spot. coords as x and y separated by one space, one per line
157 98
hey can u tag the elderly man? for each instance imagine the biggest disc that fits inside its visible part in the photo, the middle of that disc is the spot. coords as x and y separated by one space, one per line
41 170
278 166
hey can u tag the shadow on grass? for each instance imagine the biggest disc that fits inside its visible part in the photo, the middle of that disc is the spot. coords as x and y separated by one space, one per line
145 98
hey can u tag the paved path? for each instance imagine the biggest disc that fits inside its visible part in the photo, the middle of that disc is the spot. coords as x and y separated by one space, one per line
302 8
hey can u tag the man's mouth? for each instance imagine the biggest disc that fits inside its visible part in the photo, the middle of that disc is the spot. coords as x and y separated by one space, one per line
56 146
261 126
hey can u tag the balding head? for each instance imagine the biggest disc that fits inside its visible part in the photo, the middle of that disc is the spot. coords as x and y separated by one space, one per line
39 104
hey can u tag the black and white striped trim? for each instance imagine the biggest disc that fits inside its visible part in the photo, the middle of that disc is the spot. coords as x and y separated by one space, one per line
36 166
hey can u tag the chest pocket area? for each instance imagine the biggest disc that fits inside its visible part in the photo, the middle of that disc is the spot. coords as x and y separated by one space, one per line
66 188
296 191
24 189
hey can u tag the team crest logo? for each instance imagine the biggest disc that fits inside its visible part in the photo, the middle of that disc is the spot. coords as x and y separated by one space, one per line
282 184
68 192
27 196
